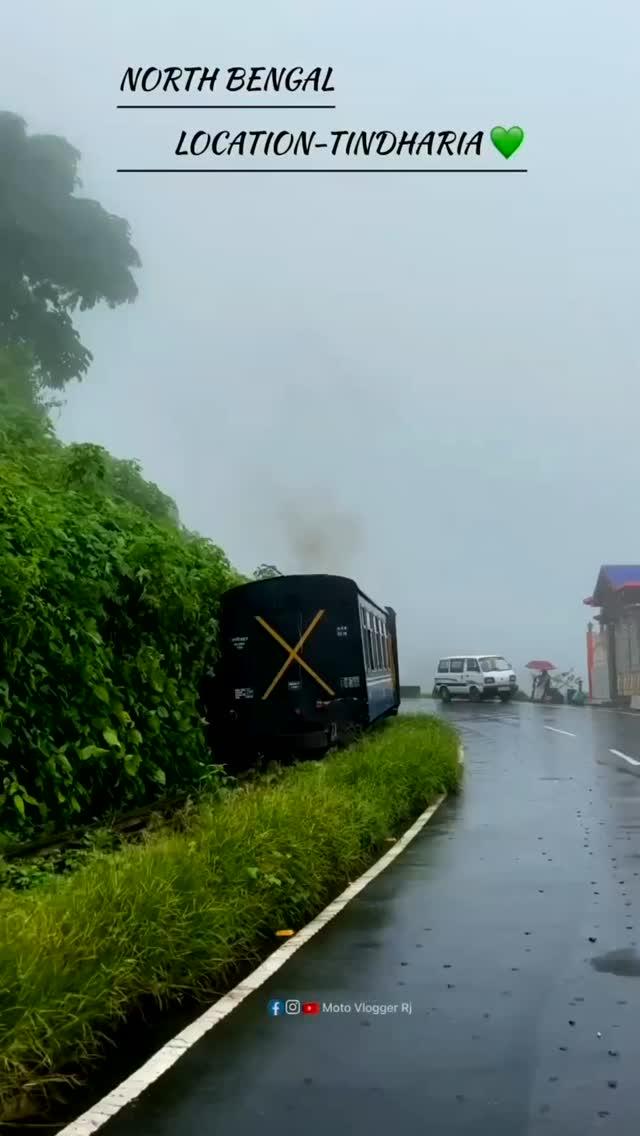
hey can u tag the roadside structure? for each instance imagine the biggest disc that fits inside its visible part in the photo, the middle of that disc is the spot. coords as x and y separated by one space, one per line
613 644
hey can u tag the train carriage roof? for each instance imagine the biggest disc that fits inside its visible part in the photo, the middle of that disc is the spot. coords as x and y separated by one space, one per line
307 578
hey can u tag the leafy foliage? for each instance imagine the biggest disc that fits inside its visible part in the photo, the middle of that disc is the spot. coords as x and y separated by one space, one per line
60 252
107 625
23 409
92 467
181 913
125 480
30 872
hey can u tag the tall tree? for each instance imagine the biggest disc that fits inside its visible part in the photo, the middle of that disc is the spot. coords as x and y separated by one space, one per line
58 252
266 571
24 408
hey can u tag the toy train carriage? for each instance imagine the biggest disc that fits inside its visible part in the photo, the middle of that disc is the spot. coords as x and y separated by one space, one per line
305 661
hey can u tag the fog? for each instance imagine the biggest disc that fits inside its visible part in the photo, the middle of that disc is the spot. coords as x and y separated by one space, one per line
427 383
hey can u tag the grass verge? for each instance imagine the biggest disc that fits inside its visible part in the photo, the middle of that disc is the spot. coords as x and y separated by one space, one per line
184 912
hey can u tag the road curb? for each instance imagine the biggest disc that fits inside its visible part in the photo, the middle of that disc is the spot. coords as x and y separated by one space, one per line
134 1085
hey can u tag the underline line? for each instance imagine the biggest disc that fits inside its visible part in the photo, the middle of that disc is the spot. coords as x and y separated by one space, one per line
226 106
324 170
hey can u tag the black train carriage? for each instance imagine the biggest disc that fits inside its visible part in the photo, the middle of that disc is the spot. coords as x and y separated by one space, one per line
306 662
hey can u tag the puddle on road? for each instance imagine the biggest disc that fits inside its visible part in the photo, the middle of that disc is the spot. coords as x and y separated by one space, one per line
624 964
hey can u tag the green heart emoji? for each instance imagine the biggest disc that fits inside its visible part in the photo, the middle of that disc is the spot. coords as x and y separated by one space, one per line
507 141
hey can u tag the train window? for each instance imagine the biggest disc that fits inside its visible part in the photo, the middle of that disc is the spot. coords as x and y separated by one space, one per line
370 662
376 644
385 643
366 640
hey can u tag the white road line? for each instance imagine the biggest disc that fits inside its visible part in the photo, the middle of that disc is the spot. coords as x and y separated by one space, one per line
160 1062
554 731
631 760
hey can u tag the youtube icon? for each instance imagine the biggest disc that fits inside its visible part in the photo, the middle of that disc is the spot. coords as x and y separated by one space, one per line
310 1007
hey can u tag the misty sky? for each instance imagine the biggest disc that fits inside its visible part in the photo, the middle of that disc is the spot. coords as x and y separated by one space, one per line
449 362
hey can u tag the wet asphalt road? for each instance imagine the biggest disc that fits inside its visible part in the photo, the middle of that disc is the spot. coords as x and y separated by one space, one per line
510 924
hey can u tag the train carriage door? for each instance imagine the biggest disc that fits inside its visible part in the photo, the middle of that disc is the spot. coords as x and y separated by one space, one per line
393 652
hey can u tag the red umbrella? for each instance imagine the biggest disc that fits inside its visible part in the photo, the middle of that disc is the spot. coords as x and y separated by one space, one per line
541 665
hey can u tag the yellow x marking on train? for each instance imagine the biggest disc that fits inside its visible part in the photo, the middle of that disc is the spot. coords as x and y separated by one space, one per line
293 653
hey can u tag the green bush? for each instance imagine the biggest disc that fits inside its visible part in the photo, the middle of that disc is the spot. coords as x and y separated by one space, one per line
183 912
107 625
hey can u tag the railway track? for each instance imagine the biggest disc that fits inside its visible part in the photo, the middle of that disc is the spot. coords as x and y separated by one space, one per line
127 824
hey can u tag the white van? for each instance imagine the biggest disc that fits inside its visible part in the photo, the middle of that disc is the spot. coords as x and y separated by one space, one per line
475 677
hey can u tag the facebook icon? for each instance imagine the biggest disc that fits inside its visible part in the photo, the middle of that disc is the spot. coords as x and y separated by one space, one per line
276 1008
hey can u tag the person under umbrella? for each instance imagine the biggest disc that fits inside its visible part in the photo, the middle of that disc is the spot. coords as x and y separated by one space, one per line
541 681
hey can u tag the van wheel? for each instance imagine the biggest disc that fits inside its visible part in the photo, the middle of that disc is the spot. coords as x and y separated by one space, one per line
474 694
445 694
